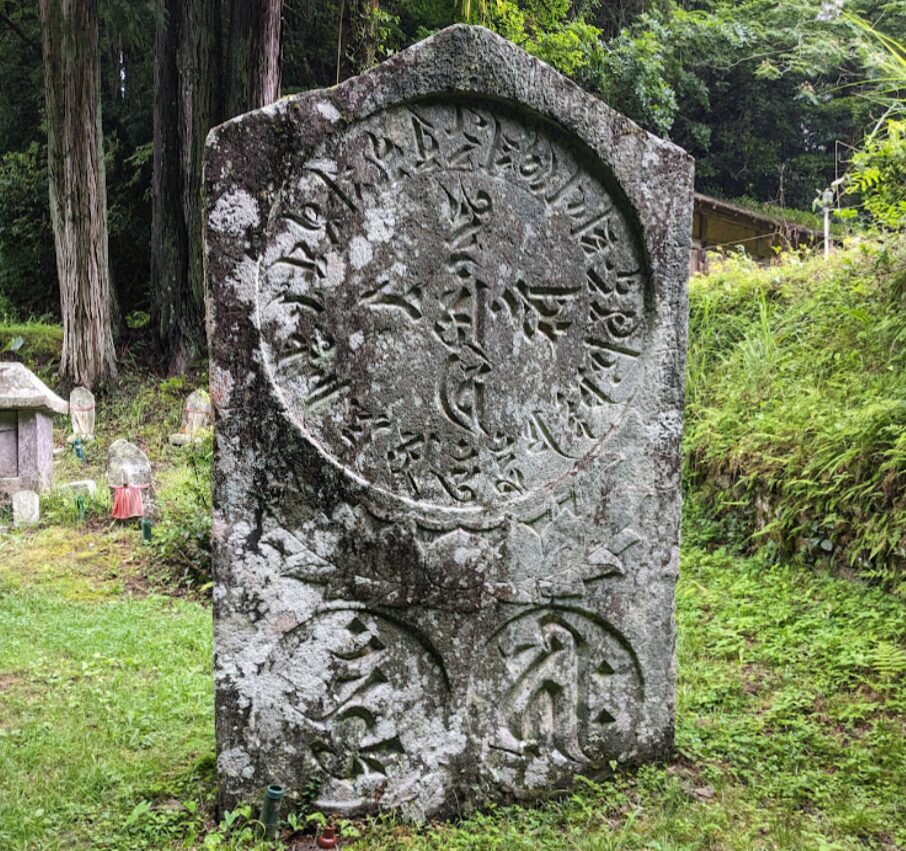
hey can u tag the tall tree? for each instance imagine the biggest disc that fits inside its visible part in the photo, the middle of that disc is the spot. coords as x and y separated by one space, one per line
357 41
197 84
185 75
78 200
253 55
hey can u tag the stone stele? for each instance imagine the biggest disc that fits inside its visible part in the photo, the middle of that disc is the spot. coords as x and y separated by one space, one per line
81 414
448 330
196 418
127 465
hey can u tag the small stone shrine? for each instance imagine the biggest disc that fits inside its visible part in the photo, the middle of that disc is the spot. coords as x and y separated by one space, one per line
81 414
27 405
196 418
129 476
448 304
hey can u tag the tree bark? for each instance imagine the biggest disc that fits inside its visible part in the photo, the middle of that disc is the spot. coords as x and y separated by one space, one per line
196 85
185 80
253 55
357 39
78 200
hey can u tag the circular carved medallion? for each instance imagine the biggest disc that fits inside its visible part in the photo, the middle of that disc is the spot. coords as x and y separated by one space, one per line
452 304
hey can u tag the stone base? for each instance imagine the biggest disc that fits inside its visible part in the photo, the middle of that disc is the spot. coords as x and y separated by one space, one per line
26 508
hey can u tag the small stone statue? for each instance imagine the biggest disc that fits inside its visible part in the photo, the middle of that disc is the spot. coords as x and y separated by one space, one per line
81 414
129 474
196 418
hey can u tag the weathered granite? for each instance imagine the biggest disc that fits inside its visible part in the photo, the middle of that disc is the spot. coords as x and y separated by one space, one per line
22 390
26 508
448 317
82 414
26 429
196 418
127 465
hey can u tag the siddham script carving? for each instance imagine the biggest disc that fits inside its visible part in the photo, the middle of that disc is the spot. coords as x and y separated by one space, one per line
452 304
574 687
348 685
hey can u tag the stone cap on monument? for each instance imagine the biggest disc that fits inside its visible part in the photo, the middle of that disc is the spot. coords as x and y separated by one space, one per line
22 390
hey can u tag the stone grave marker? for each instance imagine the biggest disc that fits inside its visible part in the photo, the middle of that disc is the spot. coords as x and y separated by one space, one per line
26 508
129 476
27 406
196 417
81 414
448 331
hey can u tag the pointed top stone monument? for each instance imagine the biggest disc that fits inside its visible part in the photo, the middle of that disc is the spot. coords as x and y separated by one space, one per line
196 418
448 318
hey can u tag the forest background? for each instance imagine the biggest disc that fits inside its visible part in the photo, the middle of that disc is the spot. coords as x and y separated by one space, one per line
772 98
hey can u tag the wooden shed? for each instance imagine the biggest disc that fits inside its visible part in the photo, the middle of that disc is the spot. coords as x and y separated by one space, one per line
719 226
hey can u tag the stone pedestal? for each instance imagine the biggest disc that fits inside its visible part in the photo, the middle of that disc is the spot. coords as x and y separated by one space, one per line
448 305
26 508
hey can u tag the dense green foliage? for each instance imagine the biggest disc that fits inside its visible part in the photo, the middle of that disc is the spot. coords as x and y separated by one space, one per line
797 402
758 91
878 175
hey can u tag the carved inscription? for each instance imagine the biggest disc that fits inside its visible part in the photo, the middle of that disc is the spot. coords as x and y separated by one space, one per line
353 683
572 687
452 303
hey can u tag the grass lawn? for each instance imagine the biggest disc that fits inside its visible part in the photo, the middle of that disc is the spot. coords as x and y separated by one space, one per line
790 729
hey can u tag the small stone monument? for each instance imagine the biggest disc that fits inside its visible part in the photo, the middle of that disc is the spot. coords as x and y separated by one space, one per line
196 418
82 414
26 508
129 476
26 429
448 303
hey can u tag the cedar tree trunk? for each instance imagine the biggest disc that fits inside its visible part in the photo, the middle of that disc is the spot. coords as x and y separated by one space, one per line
253 55
78 200
357 42
185 76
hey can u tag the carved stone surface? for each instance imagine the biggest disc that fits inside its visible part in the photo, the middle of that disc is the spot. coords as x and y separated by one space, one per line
127 465
448 327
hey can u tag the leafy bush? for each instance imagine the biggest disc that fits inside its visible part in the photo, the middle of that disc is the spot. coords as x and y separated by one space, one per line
181 544
878 174
796 405
28 274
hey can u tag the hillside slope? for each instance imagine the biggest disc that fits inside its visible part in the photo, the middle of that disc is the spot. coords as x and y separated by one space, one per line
796 406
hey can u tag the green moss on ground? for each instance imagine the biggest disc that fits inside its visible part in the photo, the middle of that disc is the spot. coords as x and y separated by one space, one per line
796 406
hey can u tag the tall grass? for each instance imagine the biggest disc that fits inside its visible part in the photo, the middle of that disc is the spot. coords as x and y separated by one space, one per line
796 405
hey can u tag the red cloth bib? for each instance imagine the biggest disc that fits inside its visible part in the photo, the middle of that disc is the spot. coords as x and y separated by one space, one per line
127 502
